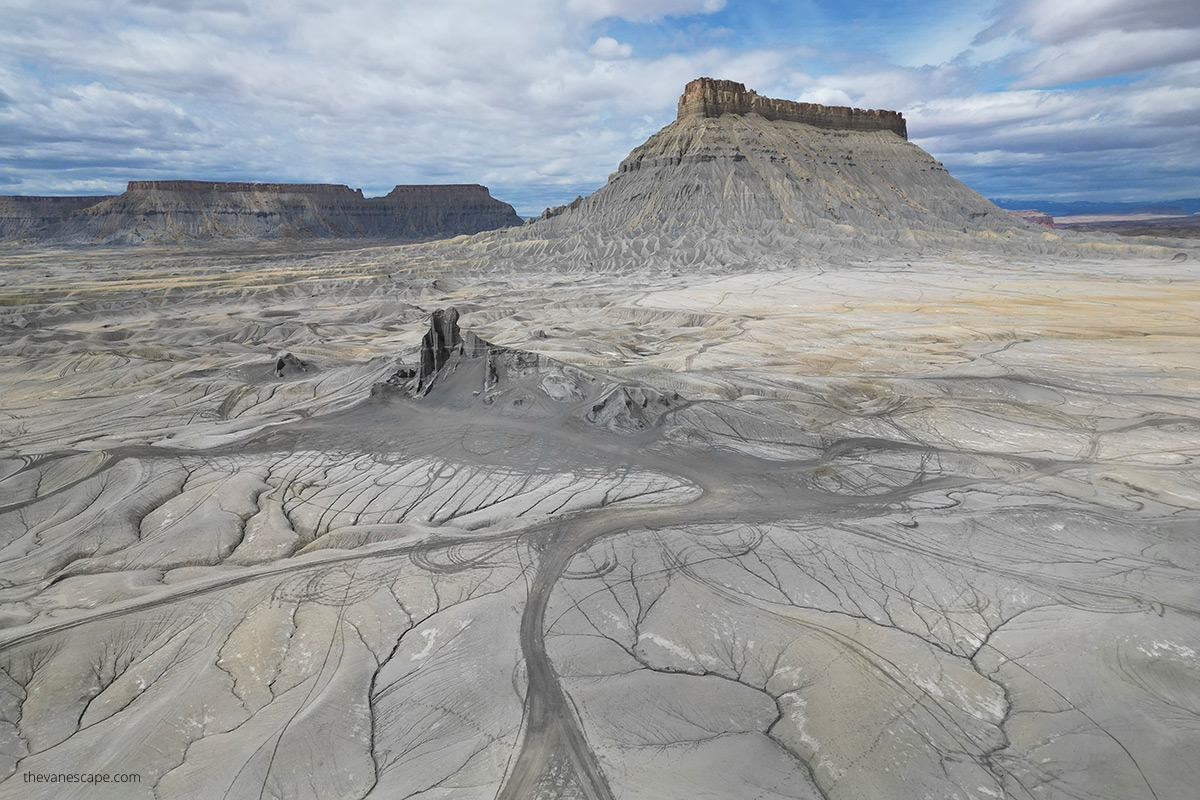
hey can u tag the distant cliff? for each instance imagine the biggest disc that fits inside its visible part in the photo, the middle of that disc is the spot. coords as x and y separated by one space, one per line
709 97
182 210
736 171
451 209
1034 216
19 215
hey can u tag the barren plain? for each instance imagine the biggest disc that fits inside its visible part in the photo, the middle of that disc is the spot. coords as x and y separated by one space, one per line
910 529
696 497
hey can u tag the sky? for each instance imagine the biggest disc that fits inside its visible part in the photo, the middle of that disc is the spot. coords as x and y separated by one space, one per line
540 100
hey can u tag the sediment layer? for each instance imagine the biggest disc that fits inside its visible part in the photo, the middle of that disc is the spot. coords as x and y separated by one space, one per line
708 97
184 210
20 214
734 162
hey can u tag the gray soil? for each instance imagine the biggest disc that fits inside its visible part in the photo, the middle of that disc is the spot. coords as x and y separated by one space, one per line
821 508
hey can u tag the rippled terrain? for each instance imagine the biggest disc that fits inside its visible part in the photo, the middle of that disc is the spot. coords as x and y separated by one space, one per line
886 529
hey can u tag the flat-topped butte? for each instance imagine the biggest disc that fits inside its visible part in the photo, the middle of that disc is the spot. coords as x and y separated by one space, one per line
473 191
168 211
709 97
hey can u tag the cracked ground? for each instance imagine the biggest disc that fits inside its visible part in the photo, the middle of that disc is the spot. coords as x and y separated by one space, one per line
915 529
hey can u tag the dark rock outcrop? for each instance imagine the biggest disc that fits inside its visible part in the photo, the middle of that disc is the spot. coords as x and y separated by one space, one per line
457 369
179 211
287 364
442 341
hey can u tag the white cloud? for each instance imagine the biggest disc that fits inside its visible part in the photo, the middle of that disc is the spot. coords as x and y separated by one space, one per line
992 111
538 99
944 36
1064 20
1078 40
373 94
1120 142
643 10
895 88
826 95
36 116
1107 53
610 49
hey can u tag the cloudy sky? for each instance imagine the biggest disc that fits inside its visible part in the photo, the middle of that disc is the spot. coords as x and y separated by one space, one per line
540 99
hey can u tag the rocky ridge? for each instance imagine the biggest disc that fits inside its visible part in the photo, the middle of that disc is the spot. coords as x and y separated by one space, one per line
1034 216
184 210
21 214
708 97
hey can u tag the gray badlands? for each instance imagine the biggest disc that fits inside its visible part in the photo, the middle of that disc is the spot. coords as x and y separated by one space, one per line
783 466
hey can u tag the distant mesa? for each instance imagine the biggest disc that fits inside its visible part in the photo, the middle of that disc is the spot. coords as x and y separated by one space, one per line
735 178
173 211
243 187
23 215
1034 216
738 177
709 97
